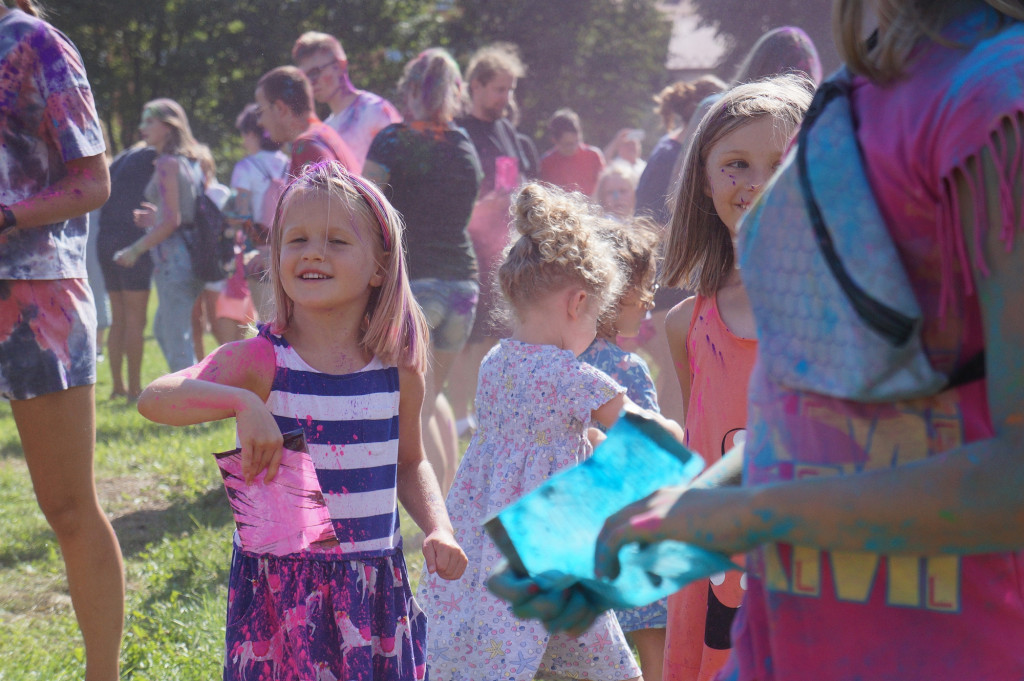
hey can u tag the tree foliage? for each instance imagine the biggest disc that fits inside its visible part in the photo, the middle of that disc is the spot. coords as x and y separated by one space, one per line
603 57
743 22
209 54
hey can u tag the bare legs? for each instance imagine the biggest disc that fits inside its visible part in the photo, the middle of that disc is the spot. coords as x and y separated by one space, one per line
125 341
439 439
204 316
650 646
60 461
464 374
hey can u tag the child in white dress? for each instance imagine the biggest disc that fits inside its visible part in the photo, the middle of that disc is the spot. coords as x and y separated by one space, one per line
535 404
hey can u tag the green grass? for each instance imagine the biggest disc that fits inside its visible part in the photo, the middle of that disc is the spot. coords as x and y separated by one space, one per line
162 491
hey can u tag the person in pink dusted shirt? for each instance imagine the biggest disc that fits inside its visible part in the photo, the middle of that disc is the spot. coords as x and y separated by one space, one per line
285 100
356 115
885 538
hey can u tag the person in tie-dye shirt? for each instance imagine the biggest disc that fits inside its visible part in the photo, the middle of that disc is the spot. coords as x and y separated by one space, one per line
356 115
52 173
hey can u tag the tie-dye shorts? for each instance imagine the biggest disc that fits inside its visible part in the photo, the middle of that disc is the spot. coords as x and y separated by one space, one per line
47 336
450 307
293 618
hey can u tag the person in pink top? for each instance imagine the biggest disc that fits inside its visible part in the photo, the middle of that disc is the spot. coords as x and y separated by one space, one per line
885 538
285 100
570 164
739 144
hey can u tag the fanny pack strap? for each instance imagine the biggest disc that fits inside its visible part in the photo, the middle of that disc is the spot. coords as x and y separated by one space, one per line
890 323
973 370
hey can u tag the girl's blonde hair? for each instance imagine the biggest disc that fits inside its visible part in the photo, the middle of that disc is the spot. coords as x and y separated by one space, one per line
431 86
635 243
905 23
699 253
615 170
559 244
170 113
207 164
395 328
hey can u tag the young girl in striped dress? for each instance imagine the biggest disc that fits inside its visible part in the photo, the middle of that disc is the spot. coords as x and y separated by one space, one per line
343 358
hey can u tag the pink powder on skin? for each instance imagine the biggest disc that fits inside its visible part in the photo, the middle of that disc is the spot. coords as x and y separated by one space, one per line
646 522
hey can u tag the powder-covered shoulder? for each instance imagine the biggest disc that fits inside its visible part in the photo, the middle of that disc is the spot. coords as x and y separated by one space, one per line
985 89
981 111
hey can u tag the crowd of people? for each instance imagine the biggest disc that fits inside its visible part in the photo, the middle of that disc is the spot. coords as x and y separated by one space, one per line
416 274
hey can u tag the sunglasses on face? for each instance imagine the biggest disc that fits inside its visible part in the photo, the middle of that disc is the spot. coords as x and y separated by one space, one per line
314 73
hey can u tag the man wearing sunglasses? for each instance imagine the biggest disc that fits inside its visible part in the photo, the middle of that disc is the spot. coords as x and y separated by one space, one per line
356 115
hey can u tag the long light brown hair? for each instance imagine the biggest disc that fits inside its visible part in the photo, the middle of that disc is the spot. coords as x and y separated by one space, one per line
171 114
699 253
904 23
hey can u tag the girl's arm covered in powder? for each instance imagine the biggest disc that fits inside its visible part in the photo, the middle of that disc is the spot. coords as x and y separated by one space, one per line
233 381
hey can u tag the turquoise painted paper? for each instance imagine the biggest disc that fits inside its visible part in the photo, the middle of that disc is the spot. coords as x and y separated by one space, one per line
555 527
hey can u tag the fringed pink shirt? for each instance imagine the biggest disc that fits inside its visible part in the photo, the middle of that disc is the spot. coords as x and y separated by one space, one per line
812 614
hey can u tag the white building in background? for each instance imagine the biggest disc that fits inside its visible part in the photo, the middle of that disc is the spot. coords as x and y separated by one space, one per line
693 50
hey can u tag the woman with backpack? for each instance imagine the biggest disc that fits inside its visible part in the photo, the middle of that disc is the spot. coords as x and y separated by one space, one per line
885 536
170 203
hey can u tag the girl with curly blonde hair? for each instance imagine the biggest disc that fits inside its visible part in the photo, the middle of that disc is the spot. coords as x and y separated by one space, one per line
535 404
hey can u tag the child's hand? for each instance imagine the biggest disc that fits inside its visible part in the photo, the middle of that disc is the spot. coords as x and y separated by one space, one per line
444 555
551 597
261 440
127 257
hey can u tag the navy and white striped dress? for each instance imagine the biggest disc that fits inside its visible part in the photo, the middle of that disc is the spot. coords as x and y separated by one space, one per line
349 612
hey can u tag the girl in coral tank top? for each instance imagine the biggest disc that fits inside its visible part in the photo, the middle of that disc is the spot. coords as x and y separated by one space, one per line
737 147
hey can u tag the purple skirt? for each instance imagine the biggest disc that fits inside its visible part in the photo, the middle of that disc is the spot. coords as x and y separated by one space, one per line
314 618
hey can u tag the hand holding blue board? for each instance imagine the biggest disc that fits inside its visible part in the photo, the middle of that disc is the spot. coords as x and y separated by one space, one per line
555 527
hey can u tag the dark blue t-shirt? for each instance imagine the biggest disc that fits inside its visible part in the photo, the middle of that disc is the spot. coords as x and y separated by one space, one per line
657 181
129 175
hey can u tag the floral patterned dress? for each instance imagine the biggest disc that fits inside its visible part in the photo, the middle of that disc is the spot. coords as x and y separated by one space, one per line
534 405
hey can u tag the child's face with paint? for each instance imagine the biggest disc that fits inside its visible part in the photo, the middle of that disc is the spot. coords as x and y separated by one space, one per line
329 254
739 164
